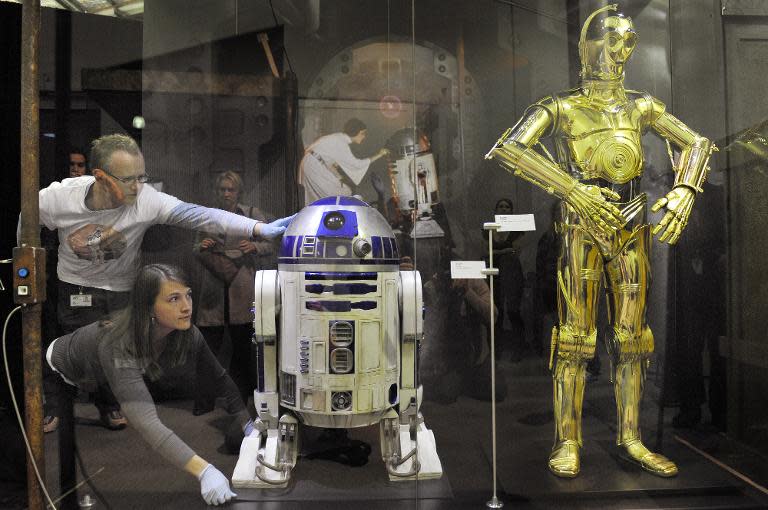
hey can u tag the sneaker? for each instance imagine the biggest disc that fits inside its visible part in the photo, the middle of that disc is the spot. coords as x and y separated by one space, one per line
50 424
113 420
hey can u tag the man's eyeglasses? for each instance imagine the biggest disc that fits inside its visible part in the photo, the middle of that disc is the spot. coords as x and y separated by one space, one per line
128 180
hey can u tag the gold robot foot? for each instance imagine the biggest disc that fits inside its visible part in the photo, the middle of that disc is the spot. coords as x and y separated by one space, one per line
564 459
654 463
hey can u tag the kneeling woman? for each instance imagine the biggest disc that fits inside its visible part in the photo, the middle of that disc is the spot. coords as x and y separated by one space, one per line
154 339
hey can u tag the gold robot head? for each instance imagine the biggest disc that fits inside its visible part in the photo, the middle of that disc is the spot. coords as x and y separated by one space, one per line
606 45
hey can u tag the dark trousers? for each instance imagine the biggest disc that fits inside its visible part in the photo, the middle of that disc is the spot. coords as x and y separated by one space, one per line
70 318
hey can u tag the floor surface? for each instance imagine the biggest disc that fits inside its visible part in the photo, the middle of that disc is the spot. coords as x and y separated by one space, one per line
126 474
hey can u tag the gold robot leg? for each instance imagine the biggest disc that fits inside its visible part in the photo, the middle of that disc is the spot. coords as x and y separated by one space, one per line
631 347
579 278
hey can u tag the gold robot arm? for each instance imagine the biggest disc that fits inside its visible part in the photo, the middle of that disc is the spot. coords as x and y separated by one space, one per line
690 171
514 152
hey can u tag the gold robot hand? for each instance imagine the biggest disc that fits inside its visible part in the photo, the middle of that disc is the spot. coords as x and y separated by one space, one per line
590 204
678 203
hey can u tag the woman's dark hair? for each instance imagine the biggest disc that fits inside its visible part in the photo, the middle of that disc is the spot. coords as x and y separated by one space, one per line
353 126
131 328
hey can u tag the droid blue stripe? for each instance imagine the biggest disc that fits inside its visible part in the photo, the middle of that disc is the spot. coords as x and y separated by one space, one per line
288 246
352 201
326 201
395 251
339 306
338 262
260 386
341 289
299 241
340 276
378 252
340 200
387 242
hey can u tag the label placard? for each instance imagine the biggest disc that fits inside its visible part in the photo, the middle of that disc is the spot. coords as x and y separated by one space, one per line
515 222
467 269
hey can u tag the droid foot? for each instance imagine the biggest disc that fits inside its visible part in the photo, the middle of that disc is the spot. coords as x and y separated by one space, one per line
267 457
409 451
654 463
564 459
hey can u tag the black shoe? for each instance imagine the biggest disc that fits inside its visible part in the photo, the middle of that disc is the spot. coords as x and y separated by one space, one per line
113 420
50 423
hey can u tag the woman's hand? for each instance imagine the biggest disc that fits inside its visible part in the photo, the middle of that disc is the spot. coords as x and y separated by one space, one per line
214 486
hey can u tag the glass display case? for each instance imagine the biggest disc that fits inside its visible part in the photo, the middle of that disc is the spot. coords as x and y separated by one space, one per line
524 266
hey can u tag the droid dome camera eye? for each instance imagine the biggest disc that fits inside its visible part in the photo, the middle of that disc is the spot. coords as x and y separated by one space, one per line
334 221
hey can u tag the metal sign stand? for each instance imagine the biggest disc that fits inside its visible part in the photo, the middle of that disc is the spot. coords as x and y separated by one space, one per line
491 272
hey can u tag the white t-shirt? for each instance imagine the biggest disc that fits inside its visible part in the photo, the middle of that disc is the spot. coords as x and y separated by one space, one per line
116 234
318 180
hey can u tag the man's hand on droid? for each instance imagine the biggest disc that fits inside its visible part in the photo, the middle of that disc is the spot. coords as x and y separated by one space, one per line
591 205
678 204
274 229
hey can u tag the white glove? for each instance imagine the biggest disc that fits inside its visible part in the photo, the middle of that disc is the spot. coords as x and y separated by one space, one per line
277 227
214 486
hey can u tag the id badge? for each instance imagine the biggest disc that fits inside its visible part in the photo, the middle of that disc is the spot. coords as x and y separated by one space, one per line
80 300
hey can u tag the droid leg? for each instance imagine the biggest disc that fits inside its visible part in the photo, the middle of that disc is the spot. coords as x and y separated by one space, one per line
628 386
278 457
408 447
573 342
268 455
568 396
631 347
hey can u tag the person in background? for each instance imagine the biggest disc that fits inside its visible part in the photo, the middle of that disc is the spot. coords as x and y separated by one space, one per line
508 294
329 168
226 287
78 163
151 340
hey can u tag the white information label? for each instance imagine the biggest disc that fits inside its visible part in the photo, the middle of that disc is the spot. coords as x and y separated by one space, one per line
461 269
80 300
515 222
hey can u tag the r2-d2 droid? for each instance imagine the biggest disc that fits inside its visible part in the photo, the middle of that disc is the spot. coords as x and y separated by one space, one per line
414 180
337 330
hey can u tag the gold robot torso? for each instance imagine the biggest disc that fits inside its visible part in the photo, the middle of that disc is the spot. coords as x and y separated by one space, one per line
600 138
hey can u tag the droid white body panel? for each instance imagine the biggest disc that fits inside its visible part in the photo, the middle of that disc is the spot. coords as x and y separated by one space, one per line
337 329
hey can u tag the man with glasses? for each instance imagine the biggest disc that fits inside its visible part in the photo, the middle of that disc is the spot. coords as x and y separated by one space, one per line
101 220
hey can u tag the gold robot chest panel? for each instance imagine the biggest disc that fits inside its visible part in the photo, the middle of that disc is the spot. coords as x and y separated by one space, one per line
604 143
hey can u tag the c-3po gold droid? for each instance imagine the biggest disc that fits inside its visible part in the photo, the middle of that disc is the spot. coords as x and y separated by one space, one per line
597 130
